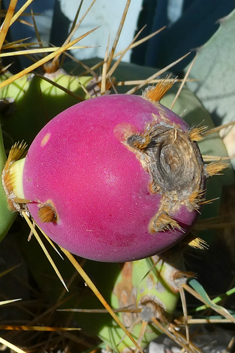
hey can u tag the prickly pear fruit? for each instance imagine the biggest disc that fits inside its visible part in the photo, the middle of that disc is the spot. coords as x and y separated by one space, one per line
115 178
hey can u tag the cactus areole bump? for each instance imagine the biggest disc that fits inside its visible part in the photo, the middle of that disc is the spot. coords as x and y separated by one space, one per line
115 178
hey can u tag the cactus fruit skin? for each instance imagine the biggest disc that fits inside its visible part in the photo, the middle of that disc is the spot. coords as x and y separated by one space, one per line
80 170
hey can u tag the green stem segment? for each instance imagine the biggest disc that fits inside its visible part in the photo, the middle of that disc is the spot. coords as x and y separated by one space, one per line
6 216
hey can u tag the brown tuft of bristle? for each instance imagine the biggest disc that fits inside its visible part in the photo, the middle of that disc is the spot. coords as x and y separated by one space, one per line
47 212
196 133
155 94
139 141
195 242
197 198
162 223
182 274
151 308
17 151
198 243
51 66
215 168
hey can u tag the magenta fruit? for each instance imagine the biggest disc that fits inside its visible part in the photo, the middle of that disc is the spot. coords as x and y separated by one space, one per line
115 178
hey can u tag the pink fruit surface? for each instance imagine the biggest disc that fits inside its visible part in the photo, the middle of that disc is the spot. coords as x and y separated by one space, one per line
81 166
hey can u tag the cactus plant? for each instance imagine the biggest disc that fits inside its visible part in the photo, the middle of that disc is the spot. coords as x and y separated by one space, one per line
146 279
